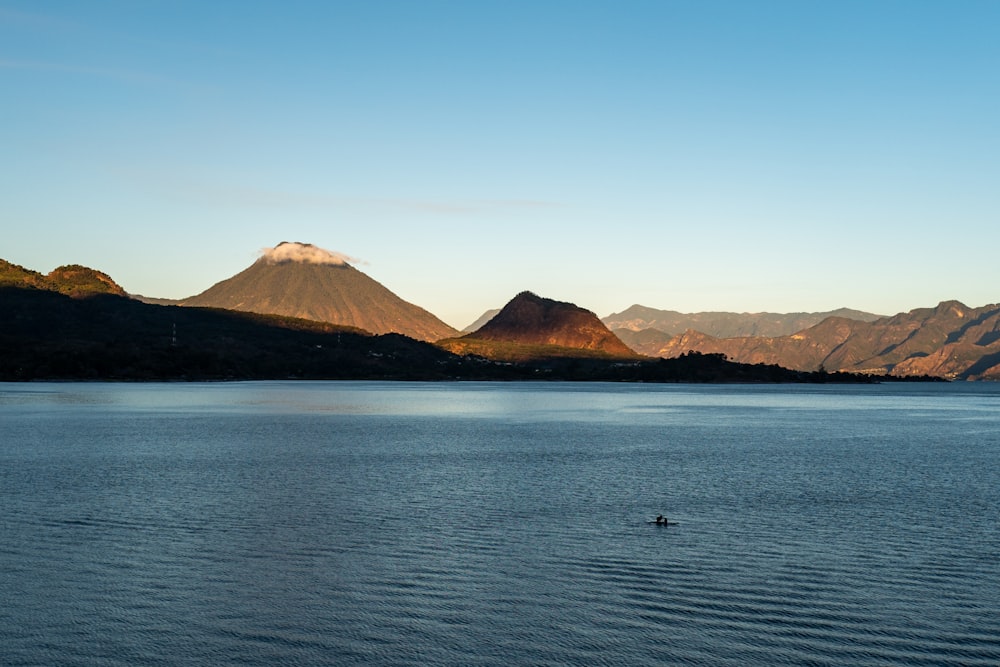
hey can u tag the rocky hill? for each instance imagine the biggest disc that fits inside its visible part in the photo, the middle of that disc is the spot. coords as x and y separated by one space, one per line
72 280
304 281
951 341
530 326
720 324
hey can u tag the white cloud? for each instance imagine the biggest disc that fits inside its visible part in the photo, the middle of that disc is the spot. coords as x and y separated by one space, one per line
306 253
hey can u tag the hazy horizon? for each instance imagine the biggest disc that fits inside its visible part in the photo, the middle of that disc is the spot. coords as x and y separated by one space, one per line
715 156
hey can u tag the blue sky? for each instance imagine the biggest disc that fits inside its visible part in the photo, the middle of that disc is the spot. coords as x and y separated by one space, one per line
744 156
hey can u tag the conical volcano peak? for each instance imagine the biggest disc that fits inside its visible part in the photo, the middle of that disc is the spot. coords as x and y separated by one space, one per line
305 253
302 280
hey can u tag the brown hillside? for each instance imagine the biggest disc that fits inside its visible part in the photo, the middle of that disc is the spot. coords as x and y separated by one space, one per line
533 326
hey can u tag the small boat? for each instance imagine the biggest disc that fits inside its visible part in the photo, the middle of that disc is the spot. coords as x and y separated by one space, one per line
662 521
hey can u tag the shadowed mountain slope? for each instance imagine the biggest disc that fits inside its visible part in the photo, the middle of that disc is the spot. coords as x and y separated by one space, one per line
46 335
326 291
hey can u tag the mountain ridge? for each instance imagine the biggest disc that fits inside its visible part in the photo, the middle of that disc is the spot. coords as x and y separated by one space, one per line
722 324
949 340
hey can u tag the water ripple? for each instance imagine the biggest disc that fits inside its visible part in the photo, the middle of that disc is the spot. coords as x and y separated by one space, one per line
384 537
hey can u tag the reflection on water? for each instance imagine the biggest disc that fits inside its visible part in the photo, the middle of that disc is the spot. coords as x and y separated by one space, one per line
497 524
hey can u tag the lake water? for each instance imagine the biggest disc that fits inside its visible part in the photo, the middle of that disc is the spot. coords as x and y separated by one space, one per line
339 523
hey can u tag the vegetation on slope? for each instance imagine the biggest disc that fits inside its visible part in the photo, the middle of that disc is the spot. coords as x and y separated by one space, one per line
73 280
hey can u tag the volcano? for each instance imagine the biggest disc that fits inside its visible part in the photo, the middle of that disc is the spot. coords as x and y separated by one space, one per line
303 280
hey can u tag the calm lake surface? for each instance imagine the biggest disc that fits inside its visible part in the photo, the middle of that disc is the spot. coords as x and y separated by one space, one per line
343 523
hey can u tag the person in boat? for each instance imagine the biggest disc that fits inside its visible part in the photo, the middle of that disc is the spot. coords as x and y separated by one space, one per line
660 519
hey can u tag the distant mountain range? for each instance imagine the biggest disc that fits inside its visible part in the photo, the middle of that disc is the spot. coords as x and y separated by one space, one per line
483 319
722 324
304 281
950 341
77 324
298 287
